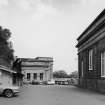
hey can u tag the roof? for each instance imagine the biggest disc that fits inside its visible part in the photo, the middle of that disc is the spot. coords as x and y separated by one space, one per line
44 59
37 59
44 66
97 18
6 69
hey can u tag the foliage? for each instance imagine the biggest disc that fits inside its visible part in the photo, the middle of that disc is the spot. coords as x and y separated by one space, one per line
6 51
60 74
74 74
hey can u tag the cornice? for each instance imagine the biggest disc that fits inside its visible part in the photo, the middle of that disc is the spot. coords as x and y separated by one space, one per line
100 35
95 22
92 29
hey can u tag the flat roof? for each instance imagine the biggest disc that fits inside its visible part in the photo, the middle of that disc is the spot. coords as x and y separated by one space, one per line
37 59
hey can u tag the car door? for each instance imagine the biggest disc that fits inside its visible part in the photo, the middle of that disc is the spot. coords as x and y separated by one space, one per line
1 88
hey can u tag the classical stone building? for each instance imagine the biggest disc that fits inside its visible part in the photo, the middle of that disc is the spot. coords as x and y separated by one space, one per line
38 69
91 55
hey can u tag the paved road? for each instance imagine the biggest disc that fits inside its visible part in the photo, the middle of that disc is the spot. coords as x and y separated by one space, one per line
54 95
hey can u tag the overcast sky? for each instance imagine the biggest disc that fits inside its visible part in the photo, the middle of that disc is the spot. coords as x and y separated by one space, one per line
48 27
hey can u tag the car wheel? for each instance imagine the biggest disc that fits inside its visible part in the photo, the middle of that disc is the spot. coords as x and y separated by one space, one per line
8 93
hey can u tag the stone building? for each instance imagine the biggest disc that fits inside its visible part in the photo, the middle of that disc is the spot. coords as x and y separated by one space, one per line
39 69
6 76
91 55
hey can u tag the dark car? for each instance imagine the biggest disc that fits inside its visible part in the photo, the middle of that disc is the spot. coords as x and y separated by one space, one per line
34 82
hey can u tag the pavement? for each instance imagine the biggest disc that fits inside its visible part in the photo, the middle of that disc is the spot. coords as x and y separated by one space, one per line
54 95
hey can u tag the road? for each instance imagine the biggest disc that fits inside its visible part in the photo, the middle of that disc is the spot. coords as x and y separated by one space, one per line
54 95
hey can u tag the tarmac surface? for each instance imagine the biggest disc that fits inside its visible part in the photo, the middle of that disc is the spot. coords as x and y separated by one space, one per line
54 95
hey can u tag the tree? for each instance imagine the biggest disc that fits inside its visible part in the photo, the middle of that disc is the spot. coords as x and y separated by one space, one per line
60 74
17 65
74 74
6 51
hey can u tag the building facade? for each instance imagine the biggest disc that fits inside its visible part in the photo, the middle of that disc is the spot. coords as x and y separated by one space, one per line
6 76
91 55
39 69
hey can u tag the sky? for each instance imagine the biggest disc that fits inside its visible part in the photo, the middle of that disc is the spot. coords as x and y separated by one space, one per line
48 28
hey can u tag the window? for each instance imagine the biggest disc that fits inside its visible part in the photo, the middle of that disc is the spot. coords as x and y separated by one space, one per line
82 68
91 59
35 76
103 64
28 76
41 76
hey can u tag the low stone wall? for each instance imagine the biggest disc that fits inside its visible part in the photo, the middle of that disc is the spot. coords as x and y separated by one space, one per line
101 85
82 83
93 84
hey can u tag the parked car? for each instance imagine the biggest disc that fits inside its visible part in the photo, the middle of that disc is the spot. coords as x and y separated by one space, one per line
35 82
62 82
9 91
41 82
51 82
74 81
